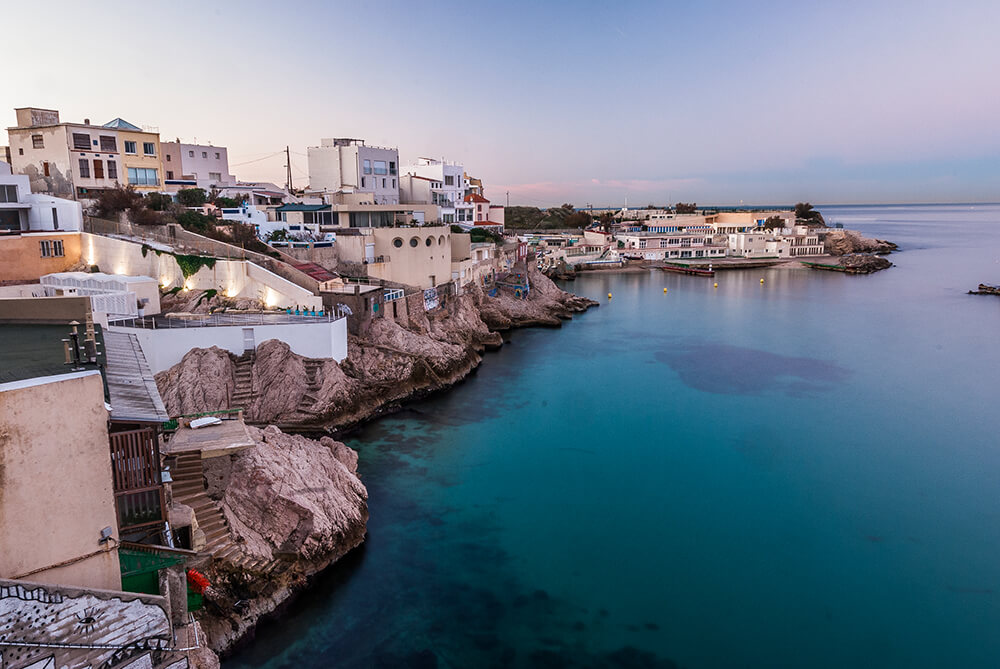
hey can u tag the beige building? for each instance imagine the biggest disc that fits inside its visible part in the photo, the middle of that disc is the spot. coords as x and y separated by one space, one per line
53 526
28 256
415 256
79 160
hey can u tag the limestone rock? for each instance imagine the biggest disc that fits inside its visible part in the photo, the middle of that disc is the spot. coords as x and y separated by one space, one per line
840 242
204 380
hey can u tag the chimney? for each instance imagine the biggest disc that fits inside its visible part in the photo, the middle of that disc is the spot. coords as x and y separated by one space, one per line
86 121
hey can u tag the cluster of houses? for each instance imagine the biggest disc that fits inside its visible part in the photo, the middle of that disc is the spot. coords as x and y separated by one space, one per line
662 235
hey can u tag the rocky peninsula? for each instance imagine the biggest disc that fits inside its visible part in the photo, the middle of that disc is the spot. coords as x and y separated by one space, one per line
294 505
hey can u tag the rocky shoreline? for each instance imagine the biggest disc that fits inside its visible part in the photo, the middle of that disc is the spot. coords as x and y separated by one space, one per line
294 505
985 289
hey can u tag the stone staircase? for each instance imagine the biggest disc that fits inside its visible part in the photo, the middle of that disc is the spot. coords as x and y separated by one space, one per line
243 392
310 396
189 489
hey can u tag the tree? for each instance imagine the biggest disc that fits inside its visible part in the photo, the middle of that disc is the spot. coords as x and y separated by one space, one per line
606 221
226 202
686 208
805 213
191 197
113 201
195 222
144 216
279 235
774 222
158 201
578 219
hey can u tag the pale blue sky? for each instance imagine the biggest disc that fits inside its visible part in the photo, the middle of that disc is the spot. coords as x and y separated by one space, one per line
574 101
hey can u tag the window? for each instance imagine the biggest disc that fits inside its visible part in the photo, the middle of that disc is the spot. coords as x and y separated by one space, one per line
84 168
414 241
204 154
363 182
130 147
170 175
397 242
45 168
55 218
381 167
37 142
392 167
51 248
449 180
8 193
20 152
140 176
393 183
167 157
112 169
81 140
216 155
215 176
109 143
430 241
98 169
190 154
383 182
367 166
149 148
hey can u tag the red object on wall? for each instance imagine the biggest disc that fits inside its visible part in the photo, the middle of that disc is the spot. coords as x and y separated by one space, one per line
197 582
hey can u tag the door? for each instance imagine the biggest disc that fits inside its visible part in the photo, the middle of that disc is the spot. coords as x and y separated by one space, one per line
248 344
369 253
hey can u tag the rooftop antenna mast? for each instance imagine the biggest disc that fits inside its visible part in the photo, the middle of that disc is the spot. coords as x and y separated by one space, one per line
288 166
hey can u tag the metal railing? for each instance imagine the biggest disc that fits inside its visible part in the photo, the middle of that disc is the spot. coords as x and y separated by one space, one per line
225 320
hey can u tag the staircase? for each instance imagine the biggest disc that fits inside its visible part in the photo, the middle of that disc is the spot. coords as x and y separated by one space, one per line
312 385
243 392
189 489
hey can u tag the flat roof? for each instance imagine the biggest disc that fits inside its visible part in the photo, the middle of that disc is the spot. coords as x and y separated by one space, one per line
28 351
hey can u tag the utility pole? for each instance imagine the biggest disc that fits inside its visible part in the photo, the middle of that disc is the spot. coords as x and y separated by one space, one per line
288 166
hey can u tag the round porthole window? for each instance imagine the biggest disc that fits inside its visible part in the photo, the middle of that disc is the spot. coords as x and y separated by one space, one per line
430 240
414 241
397 242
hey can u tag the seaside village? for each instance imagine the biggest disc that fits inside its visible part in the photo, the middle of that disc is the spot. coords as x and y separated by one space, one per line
122 255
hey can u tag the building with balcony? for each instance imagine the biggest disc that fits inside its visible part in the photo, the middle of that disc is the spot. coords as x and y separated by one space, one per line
346 165
195 166
669 245
79 160
440 183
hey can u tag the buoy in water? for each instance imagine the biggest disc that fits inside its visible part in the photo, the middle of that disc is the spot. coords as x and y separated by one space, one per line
716 286
664 291
609 296
762 280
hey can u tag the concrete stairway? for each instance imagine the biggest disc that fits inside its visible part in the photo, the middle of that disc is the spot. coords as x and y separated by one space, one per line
243 392
189 489
312 385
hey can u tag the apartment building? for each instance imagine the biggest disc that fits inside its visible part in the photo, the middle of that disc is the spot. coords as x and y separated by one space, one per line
195 166
79 160
349 165
437 182
669 245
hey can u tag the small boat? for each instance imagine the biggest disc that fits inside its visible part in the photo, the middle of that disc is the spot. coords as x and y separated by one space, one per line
687 269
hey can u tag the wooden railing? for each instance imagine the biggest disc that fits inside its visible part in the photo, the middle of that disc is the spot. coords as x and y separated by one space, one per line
135 467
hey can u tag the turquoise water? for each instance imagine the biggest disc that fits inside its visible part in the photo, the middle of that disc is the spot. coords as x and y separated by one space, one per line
803 473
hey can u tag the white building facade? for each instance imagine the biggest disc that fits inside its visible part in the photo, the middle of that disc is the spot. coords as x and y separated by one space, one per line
21 210
349 165
444 182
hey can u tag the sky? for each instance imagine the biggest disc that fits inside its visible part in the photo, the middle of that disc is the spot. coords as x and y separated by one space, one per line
551 102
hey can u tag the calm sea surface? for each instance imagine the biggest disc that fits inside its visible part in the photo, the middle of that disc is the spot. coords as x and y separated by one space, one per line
804 473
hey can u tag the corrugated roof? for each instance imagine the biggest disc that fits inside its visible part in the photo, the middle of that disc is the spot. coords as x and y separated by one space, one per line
131 386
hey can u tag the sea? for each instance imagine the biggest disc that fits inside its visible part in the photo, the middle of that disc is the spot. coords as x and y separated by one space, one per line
803 472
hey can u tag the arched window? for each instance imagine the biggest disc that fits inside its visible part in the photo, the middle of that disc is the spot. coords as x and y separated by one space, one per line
430 241
441 240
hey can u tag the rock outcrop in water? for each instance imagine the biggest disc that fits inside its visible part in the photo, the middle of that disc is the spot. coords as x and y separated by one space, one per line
985 290
864 263
293 506
385 367
839 242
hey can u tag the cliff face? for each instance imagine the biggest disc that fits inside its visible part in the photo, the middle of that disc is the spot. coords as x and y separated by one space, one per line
293 506
388 365
839 242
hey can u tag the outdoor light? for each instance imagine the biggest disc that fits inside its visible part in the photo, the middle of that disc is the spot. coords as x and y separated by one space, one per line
106 535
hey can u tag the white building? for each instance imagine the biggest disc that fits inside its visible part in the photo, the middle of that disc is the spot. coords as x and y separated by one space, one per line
349 165
669 245
21 210
247 214
195 166
761 244
430 181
